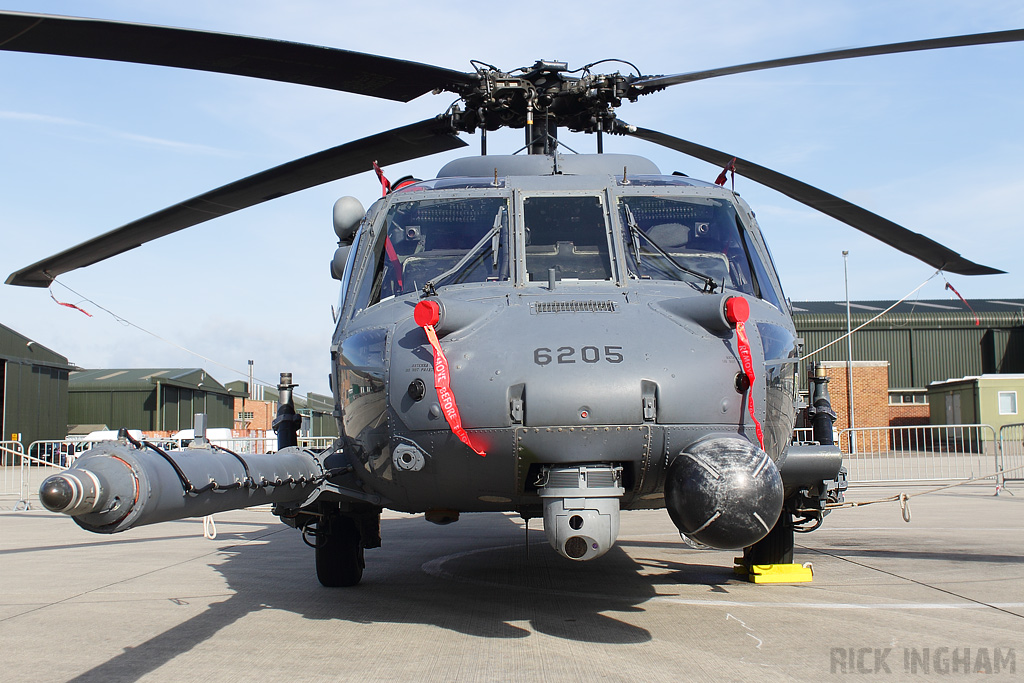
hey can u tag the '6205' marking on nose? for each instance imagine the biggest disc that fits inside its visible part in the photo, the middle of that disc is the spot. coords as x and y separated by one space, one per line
567 355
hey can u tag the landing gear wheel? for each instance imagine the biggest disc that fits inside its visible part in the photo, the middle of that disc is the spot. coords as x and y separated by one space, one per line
339 552
776 547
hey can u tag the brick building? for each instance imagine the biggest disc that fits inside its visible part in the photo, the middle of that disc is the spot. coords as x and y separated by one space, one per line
256 410
870 393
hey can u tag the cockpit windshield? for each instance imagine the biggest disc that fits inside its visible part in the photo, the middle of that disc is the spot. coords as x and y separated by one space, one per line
425 239
688 237
425 244
567 235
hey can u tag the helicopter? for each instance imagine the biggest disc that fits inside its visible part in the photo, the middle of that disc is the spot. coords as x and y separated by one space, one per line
562 336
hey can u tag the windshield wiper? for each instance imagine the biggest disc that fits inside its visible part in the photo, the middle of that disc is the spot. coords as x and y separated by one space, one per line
496 236
633 241
635 232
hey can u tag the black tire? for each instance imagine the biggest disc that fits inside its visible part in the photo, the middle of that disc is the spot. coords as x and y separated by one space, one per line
776 547
339 552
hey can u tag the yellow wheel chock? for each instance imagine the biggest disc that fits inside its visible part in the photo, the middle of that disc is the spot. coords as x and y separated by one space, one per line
774 573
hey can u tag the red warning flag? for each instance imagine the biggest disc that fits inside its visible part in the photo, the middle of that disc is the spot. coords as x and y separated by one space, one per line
396 265
977 320
729 168
426 314
80 310
737 310
385 184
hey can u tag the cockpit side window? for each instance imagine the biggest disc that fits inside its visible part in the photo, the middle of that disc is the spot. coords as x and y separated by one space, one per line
444 241
770 279
766 285
371 279
567 234
679 234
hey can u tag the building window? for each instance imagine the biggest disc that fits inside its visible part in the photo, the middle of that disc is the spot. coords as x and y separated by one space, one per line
900 398
1007 402
245 415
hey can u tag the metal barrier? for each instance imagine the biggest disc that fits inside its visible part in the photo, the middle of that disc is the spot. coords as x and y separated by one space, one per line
11 453
920 453
1011 449
316 443
242 445
34 470
60 453
251 444
879 454
803 435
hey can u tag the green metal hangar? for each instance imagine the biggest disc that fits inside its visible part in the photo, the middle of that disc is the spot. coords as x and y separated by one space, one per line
916 343
34 386
153 400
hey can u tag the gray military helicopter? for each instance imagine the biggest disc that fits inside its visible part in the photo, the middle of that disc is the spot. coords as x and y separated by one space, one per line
563 336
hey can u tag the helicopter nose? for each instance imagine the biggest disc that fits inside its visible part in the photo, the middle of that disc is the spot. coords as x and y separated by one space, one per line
724 492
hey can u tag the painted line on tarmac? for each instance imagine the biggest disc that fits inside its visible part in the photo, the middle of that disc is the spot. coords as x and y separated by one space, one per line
844 605
436 569
922 528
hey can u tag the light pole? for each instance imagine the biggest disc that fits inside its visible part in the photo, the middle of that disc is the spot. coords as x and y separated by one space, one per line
849 360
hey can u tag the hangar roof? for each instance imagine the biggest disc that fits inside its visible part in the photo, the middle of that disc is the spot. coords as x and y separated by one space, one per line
145 379
911 313
18 348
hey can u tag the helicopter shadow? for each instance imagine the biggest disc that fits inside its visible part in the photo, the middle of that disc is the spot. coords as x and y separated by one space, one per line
484 581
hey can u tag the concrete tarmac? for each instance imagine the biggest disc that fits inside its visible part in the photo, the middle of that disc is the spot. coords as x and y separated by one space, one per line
941 597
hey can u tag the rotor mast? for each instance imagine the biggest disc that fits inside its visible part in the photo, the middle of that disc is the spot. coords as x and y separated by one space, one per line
541 99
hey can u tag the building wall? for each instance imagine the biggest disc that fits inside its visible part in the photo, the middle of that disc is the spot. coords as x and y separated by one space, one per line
34 402
137 409
988 390
33 389
953 402
323 424
921 346
180 406
263 413
870 395
978 399
909 414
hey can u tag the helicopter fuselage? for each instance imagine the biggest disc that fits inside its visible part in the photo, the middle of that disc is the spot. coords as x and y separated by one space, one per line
571 337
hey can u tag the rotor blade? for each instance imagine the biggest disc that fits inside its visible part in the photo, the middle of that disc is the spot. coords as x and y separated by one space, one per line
275 60
391 147
907 241
1011 36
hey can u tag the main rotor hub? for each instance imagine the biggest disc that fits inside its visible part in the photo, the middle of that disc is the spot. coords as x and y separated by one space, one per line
546 94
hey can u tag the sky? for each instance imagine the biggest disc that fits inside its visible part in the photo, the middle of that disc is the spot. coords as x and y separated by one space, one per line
932 141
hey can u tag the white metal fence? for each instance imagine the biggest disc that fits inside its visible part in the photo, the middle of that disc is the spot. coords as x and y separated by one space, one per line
803 435
927 452
920 453
259 444
1011 451
871 455
11 453
33 471
316 443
